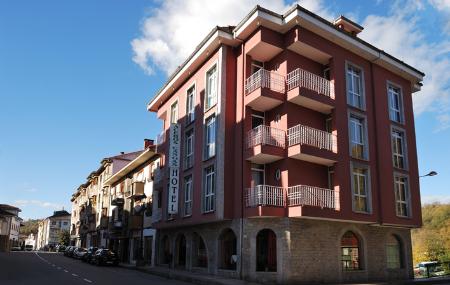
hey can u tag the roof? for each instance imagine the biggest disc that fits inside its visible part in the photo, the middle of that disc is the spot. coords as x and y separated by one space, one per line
9 207
131 167
230 35
57 214
5 213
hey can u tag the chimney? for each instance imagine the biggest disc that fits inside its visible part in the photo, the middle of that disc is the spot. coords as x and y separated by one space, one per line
148 143
347 25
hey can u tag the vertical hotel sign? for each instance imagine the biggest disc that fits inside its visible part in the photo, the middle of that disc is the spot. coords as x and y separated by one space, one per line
174 168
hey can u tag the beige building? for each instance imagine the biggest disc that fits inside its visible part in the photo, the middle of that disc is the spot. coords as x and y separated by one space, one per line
9 227
49 229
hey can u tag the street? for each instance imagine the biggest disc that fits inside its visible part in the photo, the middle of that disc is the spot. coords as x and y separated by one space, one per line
52 268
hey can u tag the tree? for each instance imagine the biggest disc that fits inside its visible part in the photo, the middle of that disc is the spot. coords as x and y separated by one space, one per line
64 237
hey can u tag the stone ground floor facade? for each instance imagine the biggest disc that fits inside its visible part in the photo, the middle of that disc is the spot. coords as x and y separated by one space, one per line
289 250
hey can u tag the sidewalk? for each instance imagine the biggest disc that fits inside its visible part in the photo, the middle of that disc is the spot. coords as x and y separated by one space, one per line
202 279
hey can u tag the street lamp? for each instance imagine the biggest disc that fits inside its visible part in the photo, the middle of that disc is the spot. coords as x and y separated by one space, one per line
431 173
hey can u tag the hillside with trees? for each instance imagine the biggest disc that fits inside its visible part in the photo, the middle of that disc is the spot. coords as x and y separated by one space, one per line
432 241
30 226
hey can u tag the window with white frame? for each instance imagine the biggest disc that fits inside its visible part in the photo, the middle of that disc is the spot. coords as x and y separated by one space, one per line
395 104
211 87
189 149
210 137
355 89
190 105
401 196
174 113
209 189
360 189
188 195
357 137
398 149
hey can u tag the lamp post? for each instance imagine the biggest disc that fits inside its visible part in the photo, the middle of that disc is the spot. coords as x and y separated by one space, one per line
431 173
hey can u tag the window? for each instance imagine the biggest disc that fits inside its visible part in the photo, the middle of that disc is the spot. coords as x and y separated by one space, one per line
257 66
257 120
200 253
393 253
357 137
355 89
360 190
210 137
190 105
401 196
189 149
211 88
398 149
350 252
208 201
395 104
266 251
174 113
188 195
257 174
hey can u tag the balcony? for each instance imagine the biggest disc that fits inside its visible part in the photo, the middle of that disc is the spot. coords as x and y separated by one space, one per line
312 145
158 175
264 90
265 144
310 91
135 222
303 195
264 44
265 195
117 200
138 189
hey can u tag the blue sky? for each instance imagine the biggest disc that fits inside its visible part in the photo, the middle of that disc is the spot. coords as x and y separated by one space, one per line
75 77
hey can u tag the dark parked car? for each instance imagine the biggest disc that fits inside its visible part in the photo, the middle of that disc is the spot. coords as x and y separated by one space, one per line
79 252
61 248
90 252
69 251
105 256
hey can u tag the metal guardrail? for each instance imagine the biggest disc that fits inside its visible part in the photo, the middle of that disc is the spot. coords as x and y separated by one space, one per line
266 135
301 195
302 78
265 79
265 195
301 134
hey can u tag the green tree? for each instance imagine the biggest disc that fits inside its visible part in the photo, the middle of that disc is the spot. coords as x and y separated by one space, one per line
64 237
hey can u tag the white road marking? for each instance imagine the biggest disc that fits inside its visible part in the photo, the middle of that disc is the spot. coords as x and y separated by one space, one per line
66 271
87 280
73 274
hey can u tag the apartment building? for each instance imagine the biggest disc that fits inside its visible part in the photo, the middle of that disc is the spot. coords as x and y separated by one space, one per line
91 203
130 229
49 229
288 154
9 227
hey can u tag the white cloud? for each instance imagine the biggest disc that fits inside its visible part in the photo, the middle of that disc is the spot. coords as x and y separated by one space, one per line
440 4
38 203
172 31
430 199
399 34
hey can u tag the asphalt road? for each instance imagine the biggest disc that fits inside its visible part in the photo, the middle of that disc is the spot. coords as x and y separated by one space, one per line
36 268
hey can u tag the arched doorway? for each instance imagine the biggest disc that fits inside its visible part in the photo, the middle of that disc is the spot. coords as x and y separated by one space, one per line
227 249
266 251
199 252
350 252
180 247
165 253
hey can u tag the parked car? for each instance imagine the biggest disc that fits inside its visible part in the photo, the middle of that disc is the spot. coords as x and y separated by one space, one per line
79 252
90 252
61 248
29 247
66 252
16 248
71 250
105 256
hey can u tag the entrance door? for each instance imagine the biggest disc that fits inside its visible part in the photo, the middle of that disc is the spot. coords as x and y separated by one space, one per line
257 175
148 243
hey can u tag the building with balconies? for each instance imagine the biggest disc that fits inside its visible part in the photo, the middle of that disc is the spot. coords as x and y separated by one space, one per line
131 233
91 203
288 143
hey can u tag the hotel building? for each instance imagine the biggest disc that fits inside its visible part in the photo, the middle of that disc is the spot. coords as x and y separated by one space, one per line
288 154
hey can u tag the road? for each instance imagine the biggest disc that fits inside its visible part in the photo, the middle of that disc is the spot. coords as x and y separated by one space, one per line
36 268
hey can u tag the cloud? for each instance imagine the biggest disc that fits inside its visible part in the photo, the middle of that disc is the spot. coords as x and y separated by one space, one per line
31 190
38 203
173 30
399 34
430 199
